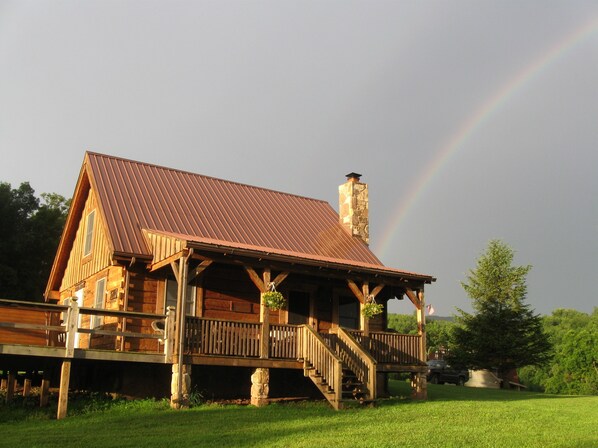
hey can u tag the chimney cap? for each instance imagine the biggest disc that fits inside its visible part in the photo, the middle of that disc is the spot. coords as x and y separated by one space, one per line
353 176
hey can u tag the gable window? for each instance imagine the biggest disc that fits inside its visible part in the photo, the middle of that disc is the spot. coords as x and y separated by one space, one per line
89 224
172 287
96 321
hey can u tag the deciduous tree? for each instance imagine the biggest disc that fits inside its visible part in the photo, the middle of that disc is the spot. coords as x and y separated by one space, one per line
29 233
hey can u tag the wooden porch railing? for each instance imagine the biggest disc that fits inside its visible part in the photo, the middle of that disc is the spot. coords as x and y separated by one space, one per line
318 355
62 325
356 359
390 348
222 337
285 341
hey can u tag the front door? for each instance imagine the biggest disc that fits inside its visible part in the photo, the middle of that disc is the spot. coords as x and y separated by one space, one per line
298 307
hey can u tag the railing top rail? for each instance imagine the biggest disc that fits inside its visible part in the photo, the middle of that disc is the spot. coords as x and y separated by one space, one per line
222 320
117 313
22 304
392 333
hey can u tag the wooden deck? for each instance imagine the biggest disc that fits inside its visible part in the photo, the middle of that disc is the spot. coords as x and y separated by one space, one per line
337 362
46 330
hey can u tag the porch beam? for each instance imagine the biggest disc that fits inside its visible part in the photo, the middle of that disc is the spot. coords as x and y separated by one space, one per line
169 260
175 270
356 290
411 295
198 270
255 278
280 278
377 290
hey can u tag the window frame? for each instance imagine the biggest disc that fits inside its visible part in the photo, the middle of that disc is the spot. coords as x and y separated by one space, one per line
99 302
89 231
191 297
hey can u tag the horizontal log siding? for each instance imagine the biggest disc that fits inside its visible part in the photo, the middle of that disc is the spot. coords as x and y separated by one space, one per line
143 296
229 294
23 336
79 268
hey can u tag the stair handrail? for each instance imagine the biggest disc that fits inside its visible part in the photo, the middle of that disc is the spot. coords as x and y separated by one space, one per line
316 352
365 370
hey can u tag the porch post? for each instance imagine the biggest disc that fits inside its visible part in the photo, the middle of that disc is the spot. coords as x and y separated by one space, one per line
265 319
179 394
418 381
365 322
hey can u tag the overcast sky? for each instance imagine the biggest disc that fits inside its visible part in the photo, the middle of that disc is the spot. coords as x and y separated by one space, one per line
469 120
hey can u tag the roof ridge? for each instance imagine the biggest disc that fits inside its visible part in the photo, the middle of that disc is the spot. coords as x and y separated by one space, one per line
154 165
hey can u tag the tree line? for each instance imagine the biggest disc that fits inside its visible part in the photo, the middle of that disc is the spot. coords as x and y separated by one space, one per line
556 353
30 229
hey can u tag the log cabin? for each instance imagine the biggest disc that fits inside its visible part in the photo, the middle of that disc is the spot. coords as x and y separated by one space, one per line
172 270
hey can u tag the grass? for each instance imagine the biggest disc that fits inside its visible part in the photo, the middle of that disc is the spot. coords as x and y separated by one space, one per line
452 417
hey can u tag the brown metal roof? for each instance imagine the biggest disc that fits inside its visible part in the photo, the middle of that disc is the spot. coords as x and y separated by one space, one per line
135 196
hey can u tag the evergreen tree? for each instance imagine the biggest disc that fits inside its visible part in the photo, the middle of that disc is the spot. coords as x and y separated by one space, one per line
503 333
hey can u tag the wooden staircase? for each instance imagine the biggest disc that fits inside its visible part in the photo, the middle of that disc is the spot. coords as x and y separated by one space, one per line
340 369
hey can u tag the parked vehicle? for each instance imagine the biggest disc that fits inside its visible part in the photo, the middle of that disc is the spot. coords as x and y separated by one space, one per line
439 372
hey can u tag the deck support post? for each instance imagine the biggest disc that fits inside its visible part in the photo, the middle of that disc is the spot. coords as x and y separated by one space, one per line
63 394
260 387
10 386
179 397
26 387
419 386
44 393
3 384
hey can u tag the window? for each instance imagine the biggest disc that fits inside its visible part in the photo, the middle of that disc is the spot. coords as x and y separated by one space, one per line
171 295
298 307
348 312
96 321
89 223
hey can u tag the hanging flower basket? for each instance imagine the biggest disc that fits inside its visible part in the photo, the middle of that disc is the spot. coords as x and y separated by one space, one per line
372 309
274 300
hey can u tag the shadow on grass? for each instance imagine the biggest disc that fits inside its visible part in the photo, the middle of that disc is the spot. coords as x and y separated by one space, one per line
447 392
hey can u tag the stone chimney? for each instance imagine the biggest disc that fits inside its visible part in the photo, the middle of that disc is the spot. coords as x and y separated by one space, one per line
353 207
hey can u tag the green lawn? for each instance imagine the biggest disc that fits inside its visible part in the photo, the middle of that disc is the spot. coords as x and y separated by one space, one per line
452 417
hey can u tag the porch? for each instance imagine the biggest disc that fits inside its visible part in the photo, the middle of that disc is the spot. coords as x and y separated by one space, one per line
343 364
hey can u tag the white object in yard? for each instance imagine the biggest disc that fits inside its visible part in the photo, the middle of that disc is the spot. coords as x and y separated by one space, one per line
483 378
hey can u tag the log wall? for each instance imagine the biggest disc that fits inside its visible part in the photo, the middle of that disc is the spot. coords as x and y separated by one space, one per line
22 336
229 294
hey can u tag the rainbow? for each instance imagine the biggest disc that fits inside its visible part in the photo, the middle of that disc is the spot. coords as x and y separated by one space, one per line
473 122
